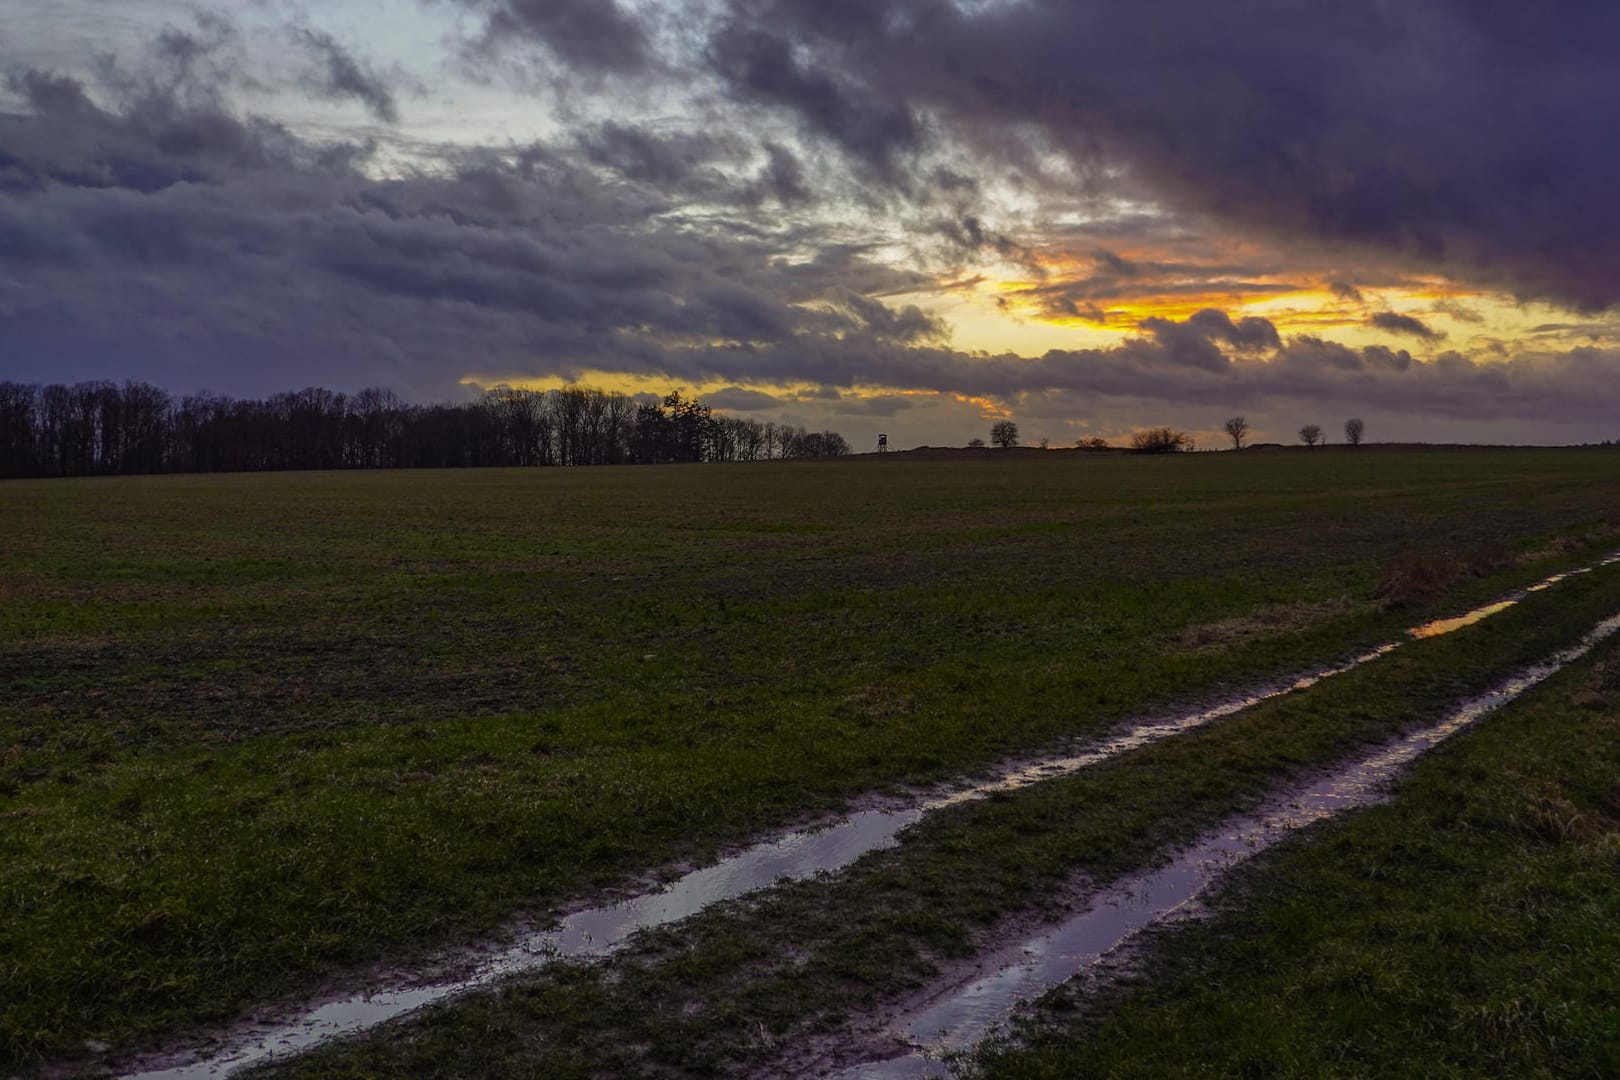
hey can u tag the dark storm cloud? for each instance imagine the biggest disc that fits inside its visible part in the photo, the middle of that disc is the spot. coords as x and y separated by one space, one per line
738 399
150 229
783 177
880 322
1459 311
205 50
1246 335
878 406
1115 266
1582 386
1113 277
594 35
162 233
844 268
1468 134
694 166
1395 323
154 141
763 68
966 235
342 76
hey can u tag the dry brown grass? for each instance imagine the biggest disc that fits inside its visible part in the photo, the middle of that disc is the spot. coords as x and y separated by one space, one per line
1568 543
1554 817
1274 619
1601 689
1420 576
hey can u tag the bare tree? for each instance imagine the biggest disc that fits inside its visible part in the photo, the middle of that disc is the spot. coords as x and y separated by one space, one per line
1093 443
975 444
1354 431
98 428
1160 441
1238 428
1310 434
1004 433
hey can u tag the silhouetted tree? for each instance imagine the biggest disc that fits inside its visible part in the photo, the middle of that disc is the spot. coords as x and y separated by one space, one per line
820 444
1093 443
975 444
103 428
1161 440
689 424
1238 428
19 449
1004 433
1310 434
1354 431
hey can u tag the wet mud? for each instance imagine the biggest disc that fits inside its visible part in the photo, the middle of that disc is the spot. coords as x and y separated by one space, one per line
956 1018
281 1031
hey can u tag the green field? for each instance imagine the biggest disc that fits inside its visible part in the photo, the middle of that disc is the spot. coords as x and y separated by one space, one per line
258 730
1471 928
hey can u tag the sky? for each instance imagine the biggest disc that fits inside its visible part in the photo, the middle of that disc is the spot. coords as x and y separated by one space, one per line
913 217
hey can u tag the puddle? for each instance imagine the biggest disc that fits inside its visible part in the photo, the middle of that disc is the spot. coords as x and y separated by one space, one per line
963 1017
1441 627
591 933
598 931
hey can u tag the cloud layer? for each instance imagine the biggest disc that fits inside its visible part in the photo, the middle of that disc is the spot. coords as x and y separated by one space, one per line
778 198
1469 134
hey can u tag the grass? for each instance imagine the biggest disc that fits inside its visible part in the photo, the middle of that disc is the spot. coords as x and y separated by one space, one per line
738 990
254 729
1469 928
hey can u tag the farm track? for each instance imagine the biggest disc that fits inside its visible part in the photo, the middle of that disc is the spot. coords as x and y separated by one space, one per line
955 1015
598 932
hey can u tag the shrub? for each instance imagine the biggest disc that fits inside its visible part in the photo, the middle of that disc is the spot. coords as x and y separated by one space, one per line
1160 441
1417 576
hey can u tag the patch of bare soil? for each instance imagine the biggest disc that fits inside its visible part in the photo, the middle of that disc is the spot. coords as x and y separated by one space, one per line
1267 621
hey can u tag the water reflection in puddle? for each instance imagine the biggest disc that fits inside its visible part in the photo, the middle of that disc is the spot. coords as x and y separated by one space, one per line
594 932
961 1018
1441 627
598 931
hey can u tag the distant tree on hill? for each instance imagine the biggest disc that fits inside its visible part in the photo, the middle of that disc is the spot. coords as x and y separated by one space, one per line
1161 440
818 444
975 444
1238 429
1044 443
1004 433
1310 434
1354 431
1093 443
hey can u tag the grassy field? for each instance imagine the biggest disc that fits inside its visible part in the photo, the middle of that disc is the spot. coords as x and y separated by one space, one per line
751 988
256 729
1470 928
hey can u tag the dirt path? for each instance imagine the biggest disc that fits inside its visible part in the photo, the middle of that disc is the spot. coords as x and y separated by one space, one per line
960 1011
283 1030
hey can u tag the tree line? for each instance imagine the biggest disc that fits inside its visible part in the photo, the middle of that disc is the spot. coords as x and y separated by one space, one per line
1166 440
104 428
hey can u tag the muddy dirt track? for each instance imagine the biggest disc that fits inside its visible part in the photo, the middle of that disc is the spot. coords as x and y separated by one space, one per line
971 999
